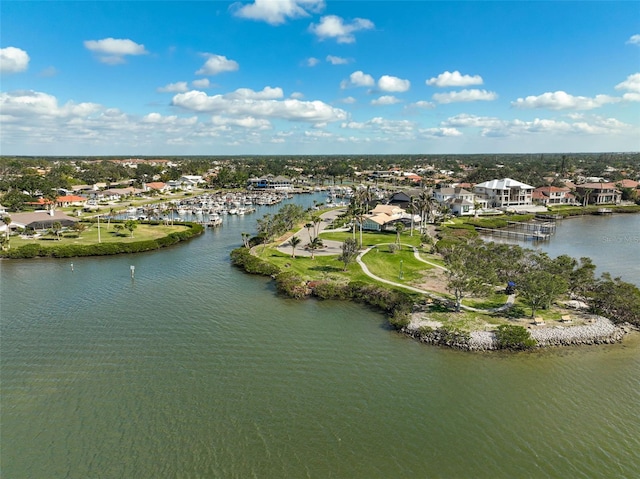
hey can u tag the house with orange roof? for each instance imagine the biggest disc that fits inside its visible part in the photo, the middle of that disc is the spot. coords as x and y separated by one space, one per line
71 200
553 195
155 185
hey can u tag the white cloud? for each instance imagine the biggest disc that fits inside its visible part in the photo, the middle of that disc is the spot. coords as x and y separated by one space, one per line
452 79
393 84
13 60
332 26
312 62
631 84
217 64
158 119
337 60
422 104
440 132
402 128
348 100
634 40
561 100
277 12
632 87
201 83
37 104
386 100
177 87
113 50
244 122
465 96
358 78
581 125
264 104
298 95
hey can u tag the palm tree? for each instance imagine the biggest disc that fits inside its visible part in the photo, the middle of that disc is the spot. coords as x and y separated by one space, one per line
313 245
293 242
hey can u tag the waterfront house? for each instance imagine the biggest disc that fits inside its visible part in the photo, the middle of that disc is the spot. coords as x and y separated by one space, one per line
40 220
505 193
599 193
460 201
553 195
270 182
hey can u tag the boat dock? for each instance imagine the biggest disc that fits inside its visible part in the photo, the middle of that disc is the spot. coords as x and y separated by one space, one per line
532 231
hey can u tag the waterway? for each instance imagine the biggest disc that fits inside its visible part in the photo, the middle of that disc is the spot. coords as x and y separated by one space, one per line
196 370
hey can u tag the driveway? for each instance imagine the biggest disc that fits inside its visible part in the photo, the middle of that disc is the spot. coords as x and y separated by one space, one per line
330 247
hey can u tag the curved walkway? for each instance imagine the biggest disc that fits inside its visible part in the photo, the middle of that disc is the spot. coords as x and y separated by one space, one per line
334 248
507 305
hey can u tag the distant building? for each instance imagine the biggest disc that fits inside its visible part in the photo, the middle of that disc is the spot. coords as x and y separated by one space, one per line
553 195
505 193
599 193
40 220
270 182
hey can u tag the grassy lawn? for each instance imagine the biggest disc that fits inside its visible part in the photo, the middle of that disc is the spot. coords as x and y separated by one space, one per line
494 301
320 268
108 234
387 265
372 238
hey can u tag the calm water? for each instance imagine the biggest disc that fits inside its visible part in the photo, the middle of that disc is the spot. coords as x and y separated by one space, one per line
196 370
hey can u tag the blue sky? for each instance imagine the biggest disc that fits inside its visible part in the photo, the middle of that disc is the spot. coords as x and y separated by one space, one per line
318 77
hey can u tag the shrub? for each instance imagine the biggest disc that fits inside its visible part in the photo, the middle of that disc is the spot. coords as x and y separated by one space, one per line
330 290
243 258
511 336
292 285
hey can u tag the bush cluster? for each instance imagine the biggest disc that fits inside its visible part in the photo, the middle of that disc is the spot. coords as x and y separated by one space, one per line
292 285
511 336
242 258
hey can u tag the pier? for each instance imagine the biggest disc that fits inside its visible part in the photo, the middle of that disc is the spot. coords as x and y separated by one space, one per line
532 231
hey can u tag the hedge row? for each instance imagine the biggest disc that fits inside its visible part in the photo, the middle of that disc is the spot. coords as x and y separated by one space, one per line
243 258
101 249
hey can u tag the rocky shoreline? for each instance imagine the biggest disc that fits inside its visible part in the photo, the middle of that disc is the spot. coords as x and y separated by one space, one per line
595 330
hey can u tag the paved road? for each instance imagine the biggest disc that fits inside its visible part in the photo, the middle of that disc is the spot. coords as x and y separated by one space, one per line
330 247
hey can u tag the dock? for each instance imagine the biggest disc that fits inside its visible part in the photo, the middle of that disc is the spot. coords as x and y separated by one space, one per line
532 231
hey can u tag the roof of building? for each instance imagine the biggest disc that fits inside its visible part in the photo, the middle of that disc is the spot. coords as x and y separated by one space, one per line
503 184
390 210
156 185
380 218
26 219
70 199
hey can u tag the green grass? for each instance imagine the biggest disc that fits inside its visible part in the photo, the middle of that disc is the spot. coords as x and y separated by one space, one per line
494 301
386 265
320 268
108 234
370 238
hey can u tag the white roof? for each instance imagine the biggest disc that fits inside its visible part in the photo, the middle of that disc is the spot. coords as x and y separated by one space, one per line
503 184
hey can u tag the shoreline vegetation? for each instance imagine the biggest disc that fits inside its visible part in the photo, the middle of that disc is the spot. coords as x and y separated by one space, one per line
489 321
114 239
